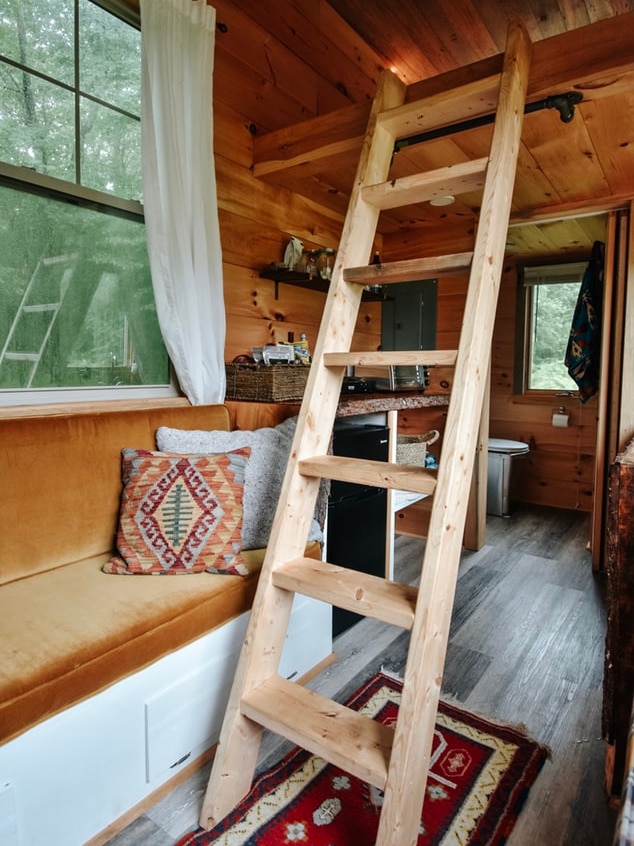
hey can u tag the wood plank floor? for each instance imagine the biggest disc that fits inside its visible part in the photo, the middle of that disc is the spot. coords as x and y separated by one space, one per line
526 647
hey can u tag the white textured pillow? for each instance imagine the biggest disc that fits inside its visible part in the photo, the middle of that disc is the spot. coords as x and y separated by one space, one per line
270 448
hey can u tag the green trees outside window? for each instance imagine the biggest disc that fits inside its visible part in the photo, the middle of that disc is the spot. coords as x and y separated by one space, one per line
76 302
552 308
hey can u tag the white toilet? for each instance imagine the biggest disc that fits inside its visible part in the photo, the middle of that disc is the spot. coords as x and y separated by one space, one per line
503 455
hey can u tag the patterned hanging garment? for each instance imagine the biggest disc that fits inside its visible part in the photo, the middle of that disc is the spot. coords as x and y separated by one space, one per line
584 345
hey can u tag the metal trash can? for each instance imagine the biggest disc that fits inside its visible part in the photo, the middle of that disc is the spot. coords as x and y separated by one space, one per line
502 474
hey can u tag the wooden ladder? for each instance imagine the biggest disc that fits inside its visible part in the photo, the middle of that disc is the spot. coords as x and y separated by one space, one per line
37 314
394 760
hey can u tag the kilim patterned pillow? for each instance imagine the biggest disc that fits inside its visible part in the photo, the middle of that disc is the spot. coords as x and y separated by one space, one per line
180 514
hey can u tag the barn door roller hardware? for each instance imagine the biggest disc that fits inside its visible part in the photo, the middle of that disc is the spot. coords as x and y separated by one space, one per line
564 103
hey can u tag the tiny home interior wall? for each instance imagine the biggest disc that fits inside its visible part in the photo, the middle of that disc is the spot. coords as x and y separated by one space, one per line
264 82
559 472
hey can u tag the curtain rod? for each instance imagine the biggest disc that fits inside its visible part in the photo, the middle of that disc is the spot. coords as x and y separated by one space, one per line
564 103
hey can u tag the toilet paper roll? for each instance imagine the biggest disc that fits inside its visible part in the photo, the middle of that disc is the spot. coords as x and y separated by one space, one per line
560 420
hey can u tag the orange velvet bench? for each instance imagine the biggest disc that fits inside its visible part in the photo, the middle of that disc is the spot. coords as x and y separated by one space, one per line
68 631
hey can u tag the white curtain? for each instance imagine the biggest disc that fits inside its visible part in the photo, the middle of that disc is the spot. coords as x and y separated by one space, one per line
179 189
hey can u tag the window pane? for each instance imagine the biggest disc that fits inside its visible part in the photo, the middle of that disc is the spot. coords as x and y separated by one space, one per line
111 151
36 124
40 36
109 58
552 310
76 302
78 305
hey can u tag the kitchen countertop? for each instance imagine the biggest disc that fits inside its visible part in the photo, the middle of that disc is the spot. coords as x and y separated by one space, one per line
350 404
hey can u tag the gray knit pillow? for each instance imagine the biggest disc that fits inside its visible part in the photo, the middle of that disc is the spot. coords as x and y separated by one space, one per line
270 448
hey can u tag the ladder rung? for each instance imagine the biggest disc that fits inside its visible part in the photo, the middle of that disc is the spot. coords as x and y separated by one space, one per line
386 358
348 739
421 187
409 270
63 259
41 307
21 356
379 474
371 596
476 98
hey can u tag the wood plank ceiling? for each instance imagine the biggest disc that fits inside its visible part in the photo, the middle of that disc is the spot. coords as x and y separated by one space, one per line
562 165
425 38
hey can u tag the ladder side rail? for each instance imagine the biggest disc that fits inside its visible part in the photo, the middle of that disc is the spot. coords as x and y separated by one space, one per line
53 308
411 752
54 311
475 523
19 312
238 747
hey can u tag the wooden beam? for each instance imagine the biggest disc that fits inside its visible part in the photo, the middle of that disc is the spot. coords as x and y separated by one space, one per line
574 209
311 140
597 60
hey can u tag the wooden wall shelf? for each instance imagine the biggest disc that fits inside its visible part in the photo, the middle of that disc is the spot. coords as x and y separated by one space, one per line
303 280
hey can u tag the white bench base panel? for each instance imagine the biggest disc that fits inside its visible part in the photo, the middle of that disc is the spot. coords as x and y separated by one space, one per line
69 778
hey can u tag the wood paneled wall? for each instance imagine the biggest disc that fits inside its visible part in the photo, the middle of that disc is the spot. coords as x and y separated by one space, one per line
326 67
560 468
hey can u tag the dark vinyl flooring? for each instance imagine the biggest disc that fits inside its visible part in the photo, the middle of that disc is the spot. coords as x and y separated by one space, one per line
526 648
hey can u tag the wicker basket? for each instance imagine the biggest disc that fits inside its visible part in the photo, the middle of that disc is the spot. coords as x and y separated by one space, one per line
266 382
412 449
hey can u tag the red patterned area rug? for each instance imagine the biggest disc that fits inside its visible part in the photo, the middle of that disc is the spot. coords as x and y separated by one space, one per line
479 779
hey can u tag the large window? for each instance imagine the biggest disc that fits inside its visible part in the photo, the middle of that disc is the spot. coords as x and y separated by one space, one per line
548 297
76 303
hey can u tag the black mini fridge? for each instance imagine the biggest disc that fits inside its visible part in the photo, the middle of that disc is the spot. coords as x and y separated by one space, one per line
357 514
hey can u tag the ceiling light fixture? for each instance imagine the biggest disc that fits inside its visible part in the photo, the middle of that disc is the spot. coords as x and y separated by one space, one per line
442 201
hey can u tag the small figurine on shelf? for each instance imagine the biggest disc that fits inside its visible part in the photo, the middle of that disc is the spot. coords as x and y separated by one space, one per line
293 253
311 264
325 262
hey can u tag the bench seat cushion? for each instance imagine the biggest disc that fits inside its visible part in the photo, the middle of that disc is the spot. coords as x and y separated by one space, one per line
68 633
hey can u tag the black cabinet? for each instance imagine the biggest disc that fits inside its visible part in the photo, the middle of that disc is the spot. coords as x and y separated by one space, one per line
357 514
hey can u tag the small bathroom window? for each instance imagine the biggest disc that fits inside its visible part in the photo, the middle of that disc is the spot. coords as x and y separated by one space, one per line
547 296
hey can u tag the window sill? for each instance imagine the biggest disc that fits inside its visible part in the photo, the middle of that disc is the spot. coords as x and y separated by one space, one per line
75 408
544 397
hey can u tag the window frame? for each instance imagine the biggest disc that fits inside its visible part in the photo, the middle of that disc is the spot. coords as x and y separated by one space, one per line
27 180
567 270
